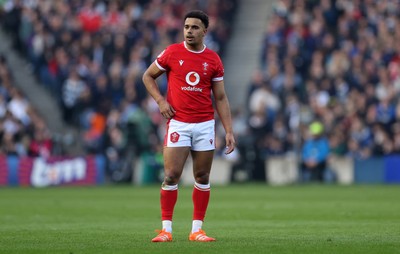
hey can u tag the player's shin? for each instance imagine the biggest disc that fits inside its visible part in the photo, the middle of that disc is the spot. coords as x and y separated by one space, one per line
200 197
168 197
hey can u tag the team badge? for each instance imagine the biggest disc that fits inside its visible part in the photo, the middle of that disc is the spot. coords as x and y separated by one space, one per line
205 65
174 137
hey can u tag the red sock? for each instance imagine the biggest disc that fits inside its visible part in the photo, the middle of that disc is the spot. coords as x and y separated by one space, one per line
168 197
200 197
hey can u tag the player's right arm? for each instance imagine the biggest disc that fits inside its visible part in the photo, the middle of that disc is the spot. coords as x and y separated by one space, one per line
149 80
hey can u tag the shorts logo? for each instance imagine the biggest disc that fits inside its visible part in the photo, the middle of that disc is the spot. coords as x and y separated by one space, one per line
174 137
211 141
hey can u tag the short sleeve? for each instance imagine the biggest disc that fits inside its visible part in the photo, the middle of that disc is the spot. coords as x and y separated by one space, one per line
219 70
162 60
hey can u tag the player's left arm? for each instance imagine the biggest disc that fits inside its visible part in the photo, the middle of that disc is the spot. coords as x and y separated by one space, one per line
224 112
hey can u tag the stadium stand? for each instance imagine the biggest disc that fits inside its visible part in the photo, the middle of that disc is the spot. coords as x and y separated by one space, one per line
332 61
90 55
23 132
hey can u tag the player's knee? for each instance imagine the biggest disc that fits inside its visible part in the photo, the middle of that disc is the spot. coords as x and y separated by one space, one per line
171 179
202 177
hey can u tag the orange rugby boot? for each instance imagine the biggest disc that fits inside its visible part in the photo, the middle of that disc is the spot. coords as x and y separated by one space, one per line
200 236
163 236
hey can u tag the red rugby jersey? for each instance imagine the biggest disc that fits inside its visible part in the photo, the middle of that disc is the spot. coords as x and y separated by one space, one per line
190 75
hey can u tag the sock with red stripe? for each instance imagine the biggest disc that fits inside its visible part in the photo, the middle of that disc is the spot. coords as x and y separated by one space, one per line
168 197
200 197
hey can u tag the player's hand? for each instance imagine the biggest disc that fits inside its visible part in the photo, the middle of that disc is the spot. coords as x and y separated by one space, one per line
166 110
230 143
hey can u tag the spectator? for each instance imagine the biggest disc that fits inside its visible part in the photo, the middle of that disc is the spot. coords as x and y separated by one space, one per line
72 91
315 153
41 144
93 136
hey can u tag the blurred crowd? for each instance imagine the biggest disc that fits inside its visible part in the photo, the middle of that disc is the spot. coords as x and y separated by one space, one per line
23 132
334 62
91 55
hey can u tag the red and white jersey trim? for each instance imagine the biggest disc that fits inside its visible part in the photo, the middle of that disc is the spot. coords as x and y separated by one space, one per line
197 52
218 79
159 66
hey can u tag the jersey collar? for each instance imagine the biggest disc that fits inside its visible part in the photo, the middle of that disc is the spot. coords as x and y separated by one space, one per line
201 51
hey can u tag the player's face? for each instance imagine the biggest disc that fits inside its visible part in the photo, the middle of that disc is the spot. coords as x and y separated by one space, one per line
194 32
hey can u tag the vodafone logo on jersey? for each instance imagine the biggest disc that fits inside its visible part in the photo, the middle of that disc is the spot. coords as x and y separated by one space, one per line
192 79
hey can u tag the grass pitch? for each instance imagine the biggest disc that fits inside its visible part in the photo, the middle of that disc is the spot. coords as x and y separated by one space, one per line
243 218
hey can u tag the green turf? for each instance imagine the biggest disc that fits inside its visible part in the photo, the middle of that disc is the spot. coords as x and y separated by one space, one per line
243 218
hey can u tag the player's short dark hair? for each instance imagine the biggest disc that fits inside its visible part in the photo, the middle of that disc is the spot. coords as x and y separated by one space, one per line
198 15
